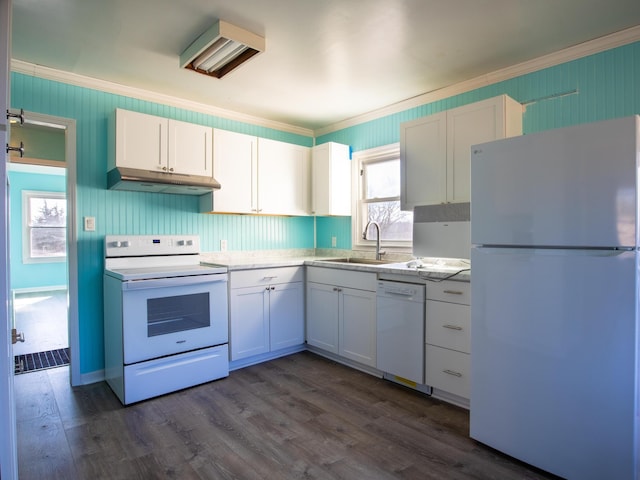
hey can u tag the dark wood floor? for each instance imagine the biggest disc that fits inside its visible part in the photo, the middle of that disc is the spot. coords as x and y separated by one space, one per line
300 416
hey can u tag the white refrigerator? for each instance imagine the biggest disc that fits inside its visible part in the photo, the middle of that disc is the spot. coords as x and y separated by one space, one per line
554 308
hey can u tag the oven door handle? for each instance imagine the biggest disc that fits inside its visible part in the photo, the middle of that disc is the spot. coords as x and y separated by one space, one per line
173 282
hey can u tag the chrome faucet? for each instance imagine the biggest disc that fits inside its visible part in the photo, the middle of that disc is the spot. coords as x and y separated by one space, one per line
364 236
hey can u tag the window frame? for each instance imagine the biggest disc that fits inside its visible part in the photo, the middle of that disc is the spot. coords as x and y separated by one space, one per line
373 155
27 258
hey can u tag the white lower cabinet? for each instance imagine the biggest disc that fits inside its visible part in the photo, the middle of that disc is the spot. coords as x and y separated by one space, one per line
448 337
341 313
266 310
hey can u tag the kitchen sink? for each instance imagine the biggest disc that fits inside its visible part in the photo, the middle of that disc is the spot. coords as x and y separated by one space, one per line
362 261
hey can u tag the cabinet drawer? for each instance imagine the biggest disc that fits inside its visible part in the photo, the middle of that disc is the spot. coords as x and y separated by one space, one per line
265 276
343 278
449 291
448 325
447 370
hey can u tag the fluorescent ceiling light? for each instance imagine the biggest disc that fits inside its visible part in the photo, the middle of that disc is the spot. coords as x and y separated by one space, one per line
220 49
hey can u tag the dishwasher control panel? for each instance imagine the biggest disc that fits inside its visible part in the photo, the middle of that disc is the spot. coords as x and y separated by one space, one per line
407 291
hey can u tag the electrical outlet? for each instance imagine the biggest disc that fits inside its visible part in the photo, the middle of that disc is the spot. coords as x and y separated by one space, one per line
89 224
223 245
334 242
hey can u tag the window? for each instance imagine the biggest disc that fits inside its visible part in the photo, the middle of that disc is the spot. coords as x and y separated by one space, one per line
378 199
45 227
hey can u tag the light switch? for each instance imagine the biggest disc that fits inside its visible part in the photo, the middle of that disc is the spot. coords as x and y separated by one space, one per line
89 224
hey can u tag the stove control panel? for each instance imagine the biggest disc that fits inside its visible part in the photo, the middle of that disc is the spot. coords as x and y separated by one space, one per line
149 245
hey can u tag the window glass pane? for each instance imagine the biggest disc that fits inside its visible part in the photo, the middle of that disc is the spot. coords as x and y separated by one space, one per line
394 223
383 179
48 242
47 212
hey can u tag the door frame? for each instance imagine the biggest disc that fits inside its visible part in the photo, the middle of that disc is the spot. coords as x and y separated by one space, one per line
69 126
8 440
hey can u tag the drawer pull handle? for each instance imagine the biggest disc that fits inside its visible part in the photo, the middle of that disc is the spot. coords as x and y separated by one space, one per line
452 372
454 292
269 277
452 327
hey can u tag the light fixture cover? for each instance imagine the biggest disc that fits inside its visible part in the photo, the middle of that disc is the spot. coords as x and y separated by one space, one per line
220 49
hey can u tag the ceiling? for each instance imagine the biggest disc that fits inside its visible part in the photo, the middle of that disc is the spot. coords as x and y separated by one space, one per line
325 60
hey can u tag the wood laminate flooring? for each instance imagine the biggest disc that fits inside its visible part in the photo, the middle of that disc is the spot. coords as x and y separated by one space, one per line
297 417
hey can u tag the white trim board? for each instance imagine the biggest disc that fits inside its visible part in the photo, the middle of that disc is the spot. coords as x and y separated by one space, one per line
47 73
598 45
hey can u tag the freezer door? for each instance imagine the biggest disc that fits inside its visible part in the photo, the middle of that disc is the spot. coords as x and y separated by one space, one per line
570 187
553 354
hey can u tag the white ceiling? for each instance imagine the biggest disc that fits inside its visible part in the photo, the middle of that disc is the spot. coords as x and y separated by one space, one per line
325 60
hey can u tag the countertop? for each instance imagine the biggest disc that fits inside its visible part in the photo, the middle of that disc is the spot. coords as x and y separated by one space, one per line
431 270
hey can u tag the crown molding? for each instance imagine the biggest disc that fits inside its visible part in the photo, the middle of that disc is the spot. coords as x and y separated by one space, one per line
575 52
48 73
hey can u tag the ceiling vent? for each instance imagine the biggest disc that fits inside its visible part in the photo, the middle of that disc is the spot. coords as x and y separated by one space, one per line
220 49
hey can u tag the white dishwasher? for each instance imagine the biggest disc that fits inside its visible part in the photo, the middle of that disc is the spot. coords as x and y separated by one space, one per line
400 330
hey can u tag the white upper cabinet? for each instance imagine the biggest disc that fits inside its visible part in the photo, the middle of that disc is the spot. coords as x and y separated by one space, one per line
435 150
423 161
235 163
157 144
258 176
330 179
283 178
190 149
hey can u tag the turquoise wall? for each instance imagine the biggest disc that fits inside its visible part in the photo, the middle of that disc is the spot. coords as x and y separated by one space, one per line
598 87
604 85
119 212
31 275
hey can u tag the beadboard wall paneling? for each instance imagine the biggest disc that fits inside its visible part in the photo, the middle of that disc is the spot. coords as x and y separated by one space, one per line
597 87
121 212
600 86
328 227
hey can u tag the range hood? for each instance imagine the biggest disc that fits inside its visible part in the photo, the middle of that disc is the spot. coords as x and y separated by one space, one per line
132 179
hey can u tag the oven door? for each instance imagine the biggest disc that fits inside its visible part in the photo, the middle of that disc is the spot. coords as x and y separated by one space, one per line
172 315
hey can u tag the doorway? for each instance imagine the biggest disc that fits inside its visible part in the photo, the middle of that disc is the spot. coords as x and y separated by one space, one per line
43 285
38 276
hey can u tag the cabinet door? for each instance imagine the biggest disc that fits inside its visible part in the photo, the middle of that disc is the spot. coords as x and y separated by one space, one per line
286 315
190 149
423 161
249 312
322 316
283 178
357 337
235 167
469 125
330 180
141 141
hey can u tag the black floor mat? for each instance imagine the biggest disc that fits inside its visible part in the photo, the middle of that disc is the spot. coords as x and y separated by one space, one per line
41 360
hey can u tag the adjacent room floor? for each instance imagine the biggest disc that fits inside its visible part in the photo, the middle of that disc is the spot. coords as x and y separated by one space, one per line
300 416
42 318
